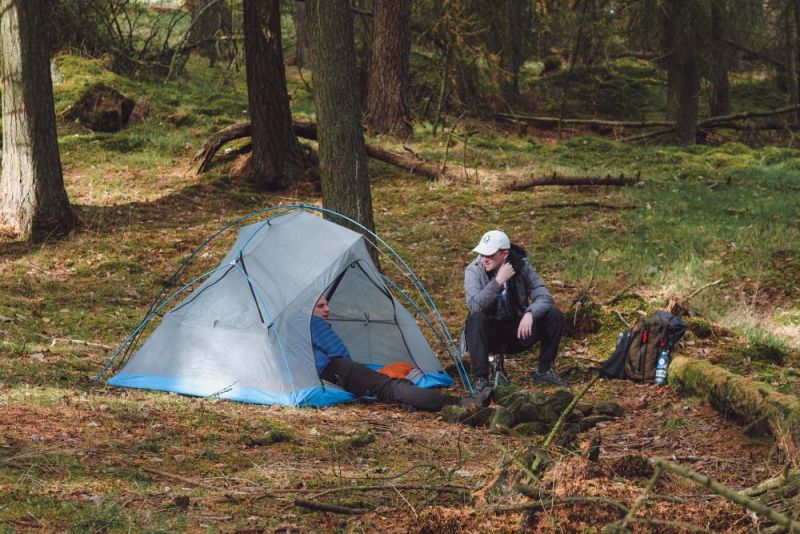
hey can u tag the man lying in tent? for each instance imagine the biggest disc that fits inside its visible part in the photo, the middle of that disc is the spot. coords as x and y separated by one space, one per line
335 365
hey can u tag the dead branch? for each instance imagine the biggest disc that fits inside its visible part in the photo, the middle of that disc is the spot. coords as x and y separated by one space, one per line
755 53
55 340
547 503
642 498
648 135
444 488
552 122
738 498
716 121
308 130
697 291
555 179
321 507
589 204
563 417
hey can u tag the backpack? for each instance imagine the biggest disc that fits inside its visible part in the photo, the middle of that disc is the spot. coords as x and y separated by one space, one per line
637 348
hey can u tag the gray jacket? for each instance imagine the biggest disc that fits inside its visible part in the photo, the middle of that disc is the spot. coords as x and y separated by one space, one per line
530 293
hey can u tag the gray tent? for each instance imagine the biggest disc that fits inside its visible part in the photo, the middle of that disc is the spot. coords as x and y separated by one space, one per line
244 333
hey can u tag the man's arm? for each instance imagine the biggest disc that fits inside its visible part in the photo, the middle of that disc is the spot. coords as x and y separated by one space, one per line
539 298
326 340
480 298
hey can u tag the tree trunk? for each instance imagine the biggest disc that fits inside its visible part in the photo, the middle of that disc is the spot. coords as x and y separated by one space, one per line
387 109
302 56
512 34
209 22
343 161
720 61
33 201
791 53
683 66
276 160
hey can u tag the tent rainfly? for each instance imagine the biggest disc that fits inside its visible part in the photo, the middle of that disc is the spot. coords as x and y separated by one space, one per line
244 333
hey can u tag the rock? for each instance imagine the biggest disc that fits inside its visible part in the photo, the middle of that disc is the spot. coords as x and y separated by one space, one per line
501 393
609 408
502 420
102 109
585 408
526 413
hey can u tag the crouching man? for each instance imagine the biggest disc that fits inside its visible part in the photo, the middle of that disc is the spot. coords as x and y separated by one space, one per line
509 309
335 365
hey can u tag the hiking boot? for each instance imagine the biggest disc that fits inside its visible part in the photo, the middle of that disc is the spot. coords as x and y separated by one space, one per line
480 383
481 399
549 377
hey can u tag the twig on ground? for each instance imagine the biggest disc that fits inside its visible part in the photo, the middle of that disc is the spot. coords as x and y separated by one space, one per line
563 417
738 498
68 341
697 291
621 318
642 498
322 507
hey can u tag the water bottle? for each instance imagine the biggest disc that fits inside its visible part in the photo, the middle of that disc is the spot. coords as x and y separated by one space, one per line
661 367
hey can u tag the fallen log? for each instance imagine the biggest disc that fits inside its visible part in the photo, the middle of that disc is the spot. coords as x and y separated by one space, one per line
712 122
308 130
555 179
551 122
755 404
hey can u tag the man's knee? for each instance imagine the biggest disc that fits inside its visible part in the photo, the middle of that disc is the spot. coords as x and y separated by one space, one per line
554 319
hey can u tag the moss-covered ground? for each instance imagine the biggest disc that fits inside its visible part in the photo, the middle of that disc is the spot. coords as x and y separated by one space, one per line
78 456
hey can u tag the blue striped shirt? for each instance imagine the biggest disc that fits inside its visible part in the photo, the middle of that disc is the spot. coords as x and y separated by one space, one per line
327 344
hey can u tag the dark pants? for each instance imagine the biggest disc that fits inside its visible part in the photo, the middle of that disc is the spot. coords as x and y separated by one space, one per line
484 335
362 381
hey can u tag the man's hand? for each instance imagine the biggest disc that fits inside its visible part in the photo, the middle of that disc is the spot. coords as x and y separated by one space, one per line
525 328
504 273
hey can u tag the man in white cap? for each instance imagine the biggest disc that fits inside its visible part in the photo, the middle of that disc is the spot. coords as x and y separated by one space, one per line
509 308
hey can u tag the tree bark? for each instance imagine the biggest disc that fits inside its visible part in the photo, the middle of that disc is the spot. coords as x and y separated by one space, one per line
302 56
720 60
791 53
33 201
276 160
681 46
343 161
512 28
208 24
387 109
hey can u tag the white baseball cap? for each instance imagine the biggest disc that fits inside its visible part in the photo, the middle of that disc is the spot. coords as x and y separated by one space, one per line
491 242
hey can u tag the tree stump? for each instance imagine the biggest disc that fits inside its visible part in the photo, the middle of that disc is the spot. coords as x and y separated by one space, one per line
102 109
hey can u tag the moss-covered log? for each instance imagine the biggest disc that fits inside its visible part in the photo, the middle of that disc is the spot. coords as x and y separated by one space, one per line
753 403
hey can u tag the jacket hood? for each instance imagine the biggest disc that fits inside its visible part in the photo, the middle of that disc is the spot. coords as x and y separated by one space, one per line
517 256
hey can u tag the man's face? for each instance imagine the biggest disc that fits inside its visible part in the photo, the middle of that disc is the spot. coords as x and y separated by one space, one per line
321 308
493 262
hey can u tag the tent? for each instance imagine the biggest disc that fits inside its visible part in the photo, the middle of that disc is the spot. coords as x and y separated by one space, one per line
244 332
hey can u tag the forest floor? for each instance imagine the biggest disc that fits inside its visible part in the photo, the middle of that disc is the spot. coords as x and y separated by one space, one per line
76 455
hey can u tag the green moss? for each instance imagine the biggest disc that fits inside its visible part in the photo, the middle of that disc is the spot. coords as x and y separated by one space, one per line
700 327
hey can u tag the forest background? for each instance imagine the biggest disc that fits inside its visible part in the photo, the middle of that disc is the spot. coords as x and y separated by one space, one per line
642 151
